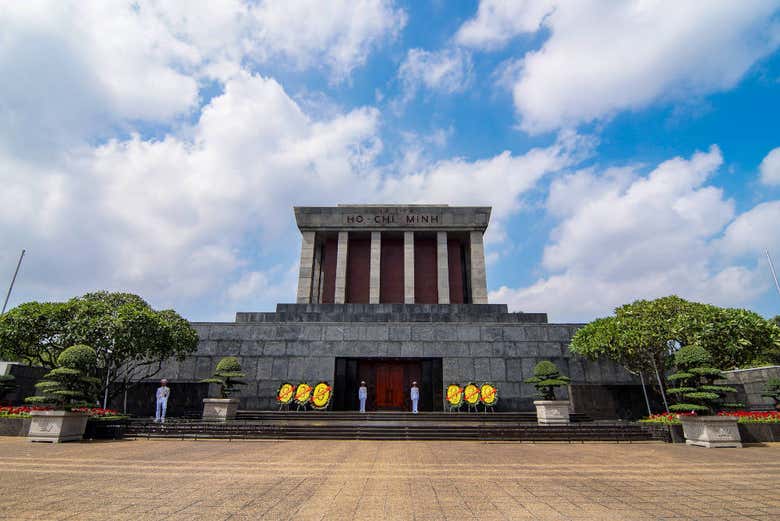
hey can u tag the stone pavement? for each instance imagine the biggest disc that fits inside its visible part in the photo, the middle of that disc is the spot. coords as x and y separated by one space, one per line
339 480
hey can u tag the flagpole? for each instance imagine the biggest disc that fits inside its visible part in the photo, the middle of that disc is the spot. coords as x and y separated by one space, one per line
11 287
772 268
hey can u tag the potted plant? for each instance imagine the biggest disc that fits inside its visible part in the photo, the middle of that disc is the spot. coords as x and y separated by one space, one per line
697 393
227 376
546 379
68 386
772 390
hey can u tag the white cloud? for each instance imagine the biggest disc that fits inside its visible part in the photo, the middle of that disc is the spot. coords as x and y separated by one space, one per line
170 218
753 232
338 33
497 181
625 236
78 70
195 216
603 57
447 71
498 21
770 168
256 288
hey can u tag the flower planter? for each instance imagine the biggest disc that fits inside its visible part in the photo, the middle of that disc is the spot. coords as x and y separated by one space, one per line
57 426
552 412
220 409
711 431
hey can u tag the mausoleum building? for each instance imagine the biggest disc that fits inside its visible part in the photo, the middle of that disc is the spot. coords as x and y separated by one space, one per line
391 294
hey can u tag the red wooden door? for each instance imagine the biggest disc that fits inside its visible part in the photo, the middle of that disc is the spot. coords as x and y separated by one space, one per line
389 386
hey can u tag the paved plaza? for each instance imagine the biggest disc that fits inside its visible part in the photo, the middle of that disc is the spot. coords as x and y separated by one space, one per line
338 480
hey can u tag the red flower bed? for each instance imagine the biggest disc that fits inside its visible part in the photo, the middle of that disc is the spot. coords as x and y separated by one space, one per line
23 411
754 416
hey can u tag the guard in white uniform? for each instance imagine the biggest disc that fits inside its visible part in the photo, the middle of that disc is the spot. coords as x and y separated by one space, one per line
163 392
415 396
362 396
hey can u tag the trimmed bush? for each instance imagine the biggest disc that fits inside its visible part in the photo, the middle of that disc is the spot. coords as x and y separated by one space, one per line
695 376
227 376
70 384
546 378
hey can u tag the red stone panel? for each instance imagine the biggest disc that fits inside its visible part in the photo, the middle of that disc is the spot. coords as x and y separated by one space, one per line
455 265
426 284
391 272
329 252
358 270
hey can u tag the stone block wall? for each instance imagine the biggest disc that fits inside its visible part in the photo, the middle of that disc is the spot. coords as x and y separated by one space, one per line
504 353
750 384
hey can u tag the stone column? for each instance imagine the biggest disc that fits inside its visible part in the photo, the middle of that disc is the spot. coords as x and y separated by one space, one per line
376 255
442 267
316 278
408 267
305 268
478 278
341 268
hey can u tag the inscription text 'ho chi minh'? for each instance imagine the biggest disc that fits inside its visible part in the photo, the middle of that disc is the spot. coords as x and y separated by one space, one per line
412 254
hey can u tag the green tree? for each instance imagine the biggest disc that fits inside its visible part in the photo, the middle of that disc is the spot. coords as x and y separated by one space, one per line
733 337
546 378
35 332
695 377
643 335
131 339
72 383
227 376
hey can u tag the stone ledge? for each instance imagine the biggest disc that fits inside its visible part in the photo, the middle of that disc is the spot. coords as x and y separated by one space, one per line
446 313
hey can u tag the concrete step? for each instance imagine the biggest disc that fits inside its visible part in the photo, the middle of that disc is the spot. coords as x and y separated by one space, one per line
393 431
398 415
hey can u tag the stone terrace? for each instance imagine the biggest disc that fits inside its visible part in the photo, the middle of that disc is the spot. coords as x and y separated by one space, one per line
300 342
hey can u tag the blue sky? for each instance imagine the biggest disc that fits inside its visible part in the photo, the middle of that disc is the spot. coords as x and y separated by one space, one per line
629 150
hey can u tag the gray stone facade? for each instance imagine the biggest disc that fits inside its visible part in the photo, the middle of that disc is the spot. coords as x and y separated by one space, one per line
317 223
300 342
751 384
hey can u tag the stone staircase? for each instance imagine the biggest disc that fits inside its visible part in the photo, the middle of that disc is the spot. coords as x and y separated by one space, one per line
391 426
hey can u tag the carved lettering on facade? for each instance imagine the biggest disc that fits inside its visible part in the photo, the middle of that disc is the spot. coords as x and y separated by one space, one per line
388 219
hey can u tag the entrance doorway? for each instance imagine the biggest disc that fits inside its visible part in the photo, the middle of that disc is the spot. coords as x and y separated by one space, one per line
388 381
389 386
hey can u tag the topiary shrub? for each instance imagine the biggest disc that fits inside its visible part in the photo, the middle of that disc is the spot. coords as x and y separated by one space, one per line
772 390
695 377
70 384
546 378
227 376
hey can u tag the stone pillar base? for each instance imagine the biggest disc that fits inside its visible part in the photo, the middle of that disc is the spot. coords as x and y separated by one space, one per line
57 426
552 412
220 409
711 431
